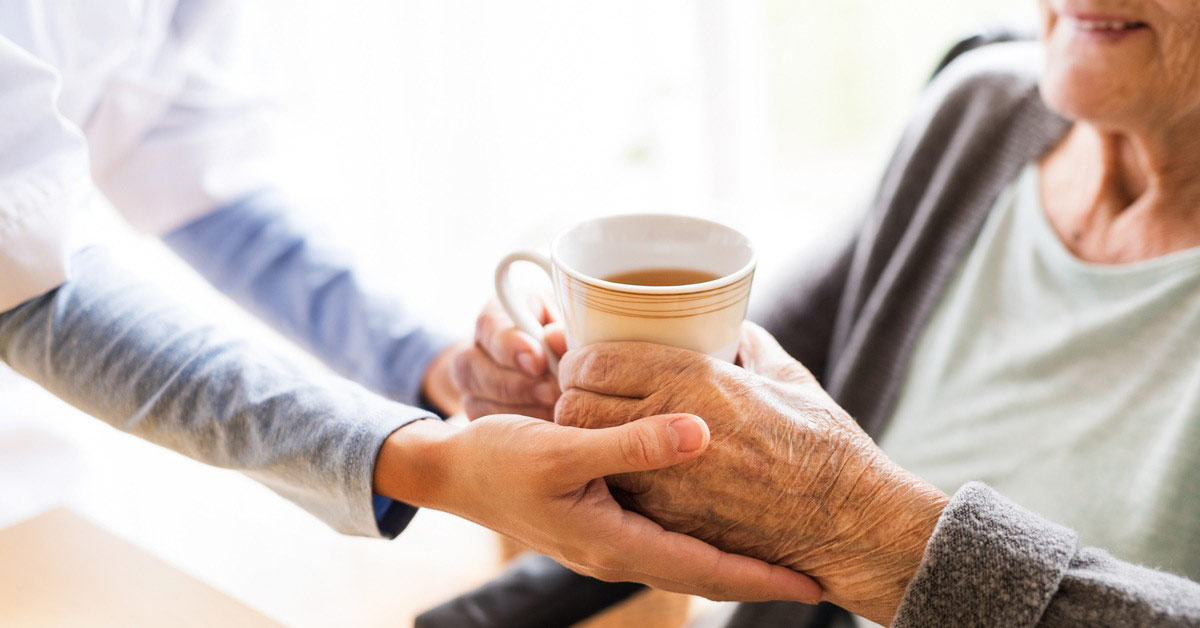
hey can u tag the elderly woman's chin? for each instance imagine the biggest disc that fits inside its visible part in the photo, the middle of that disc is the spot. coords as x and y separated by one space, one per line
1080 97
1102 83
1130 65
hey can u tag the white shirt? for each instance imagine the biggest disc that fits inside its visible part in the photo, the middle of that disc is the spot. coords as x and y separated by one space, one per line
133 97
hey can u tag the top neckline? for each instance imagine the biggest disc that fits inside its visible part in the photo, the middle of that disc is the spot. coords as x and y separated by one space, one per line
1047 238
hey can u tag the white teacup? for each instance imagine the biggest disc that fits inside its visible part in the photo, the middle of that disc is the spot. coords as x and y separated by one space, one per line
704 317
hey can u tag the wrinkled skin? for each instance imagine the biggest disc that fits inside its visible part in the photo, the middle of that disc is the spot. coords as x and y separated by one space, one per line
542 485
788 478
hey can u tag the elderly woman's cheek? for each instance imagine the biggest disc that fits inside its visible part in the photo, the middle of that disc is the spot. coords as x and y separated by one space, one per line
1182 74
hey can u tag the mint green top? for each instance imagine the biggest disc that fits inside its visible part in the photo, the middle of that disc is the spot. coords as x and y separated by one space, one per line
1072 388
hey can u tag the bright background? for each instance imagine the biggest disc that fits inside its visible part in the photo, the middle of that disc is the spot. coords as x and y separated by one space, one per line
433 136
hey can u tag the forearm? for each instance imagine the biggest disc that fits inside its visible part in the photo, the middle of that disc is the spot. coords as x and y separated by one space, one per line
260 254
118 350
992 562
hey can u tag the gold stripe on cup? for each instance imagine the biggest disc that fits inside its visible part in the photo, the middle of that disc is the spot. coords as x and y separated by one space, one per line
582 299
607 294
626 295
604 299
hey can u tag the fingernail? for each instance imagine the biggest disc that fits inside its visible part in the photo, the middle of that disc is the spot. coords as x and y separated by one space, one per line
686 435
546 393
525 361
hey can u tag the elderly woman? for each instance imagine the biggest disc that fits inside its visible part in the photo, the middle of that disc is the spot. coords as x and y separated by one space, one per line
1017 322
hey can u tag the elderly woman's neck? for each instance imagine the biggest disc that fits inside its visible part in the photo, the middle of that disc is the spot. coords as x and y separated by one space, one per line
1123 197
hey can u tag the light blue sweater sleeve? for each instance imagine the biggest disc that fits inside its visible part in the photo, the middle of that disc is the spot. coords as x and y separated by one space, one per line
259 253
119 350
263 256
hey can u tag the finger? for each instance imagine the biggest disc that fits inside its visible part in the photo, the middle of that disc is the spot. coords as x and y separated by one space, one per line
556 338
785 589
645 552
541 304
512 348
475 407
759 352
477 375
584 408
642 445
629 369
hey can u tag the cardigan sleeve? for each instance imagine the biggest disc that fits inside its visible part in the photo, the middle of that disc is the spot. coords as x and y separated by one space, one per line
991 562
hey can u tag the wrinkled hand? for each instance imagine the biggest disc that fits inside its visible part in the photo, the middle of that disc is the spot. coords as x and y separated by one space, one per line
542 485
789 477
505 372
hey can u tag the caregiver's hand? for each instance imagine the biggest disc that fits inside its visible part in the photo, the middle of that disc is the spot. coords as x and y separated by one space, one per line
541 484
505 372
789 477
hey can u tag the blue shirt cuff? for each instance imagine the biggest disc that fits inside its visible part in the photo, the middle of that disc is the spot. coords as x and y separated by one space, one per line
392 516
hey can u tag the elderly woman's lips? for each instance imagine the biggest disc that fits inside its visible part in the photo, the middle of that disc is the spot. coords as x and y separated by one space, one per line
1103 28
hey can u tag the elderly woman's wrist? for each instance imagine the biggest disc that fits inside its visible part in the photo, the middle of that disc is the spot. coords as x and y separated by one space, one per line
882 518
889 554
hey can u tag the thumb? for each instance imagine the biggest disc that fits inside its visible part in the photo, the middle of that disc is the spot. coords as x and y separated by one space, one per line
760 353
642 445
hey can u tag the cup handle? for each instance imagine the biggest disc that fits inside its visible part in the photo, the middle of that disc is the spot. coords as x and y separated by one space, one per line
524 320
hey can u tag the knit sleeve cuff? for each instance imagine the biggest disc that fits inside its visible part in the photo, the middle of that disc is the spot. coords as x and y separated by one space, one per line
989 562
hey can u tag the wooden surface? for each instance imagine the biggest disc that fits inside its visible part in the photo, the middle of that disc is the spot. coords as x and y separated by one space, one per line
60 569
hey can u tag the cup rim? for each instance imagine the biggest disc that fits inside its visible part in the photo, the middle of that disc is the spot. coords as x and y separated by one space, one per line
720 282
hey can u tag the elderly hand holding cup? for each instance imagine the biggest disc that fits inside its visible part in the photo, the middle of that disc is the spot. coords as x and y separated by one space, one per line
782 455
694 284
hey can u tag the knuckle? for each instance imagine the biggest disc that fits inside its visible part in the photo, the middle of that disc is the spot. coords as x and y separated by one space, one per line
461 370
483 327
603 561
514 389
475 408
639 448
576 408
604 575
659 403
721 596
596 366
568 366
568 410
687 363
607 576
708 587
795 372
505 345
